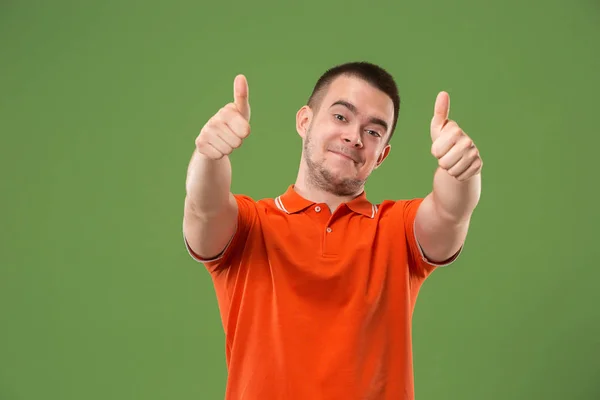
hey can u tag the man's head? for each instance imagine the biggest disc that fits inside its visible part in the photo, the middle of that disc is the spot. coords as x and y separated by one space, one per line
347 125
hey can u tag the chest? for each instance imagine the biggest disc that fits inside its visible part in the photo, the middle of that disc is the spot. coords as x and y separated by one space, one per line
321 236
332 260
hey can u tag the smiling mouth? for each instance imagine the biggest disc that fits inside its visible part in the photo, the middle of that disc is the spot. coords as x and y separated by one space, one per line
343 155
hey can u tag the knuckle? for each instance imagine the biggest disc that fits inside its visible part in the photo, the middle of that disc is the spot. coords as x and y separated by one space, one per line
450 126
222 111
457 133
207 132
204 135
203 148
237 142
246 131
228 111
221 114
444 164
242 130
208 126
200 139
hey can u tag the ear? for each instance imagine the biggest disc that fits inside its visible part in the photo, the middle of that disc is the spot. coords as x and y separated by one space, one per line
303 119
383 155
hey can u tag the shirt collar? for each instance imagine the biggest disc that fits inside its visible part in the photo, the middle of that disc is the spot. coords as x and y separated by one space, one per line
291 202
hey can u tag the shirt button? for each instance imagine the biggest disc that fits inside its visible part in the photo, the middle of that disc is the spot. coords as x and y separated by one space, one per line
317 209
328 230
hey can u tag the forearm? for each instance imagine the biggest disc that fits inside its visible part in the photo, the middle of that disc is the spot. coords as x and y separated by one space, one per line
444 216
454 200
208 185
211 210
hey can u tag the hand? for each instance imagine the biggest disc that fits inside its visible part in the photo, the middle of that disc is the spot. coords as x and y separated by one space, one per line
227 129
455 151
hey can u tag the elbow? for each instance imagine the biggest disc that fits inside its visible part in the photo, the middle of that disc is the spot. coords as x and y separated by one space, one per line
441 237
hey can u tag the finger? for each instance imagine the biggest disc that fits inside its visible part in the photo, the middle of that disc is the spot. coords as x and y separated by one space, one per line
211 152
441 111
221 145
473 170
226 134
234 120
212 133
444 142
460 166
240 96
459 150
469 158
205 148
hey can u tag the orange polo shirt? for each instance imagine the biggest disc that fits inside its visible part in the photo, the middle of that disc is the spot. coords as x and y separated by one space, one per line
318 305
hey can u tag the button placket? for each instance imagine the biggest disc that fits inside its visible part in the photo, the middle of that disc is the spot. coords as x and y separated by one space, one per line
330 237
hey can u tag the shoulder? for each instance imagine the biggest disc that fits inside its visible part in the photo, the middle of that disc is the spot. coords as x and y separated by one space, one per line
250 205
266 202
404 208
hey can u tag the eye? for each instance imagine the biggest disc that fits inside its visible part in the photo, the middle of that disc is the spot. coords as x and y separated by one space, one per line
374 133
339 117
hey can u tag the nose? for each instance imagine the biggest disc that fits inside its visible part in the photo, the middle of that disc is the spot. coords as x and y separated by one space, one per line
352 138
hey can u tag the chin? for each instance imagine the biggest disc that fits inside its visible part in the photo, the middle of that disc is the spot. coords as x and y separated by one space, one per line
344 167
340 175
341 172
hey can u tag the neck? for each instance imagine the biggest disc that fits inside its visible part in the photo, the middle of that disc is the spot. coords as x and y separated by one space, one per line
307 189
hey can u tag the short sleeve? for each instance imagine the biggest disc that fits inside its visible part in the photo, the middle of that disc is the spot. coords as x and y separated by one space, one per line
422 266
246 217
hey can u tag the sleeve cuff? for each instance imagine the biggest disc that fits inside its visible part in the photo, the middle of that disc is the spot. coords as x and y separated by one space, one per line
208 260
444 263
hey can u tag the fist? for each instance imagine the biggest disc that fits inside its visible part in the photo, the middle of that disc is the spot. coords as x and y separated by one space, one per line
226 130
455 151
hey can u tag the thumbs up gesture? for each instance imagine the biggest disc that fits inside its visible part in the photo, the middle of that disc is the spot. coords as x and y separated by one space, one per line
455 151
226 130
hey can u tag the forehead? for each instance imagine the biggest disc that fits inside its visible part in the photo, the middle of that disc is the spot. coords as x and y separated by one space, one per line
366 97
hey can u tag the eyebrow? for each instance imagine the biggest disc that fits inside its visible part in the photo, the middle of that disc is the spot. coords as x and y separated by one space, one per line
353 109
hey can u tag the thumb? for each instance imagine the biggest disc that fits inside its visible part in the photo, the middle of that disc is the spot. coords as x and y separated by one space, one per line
440 114
240 96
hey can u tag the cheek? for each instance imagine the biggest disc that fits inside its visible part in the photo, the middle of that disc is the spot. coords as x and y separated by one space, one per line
319 140
371 161
314 147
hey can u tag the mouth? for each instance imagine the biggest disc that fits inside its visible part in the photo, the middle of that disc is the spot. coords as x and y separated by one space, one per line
345 156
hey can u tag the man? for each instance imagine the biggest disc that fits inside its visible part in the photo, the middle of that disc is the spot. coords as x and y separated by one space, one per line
317 287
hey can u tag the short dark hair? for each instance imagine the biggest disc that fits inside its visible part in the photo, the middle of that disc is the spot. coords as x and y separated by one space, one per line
369 72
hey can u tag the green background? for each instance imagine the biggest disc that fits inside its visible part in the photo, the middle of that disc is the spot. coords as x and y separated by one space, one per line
99 108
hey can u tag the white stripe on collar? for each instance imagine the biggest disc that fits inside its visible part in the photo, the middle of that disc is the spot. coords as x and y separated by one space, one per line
280 205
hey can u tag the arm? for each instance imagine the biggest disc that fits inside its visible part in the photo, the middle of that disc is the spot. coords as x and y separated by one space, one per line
443 218
211 210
